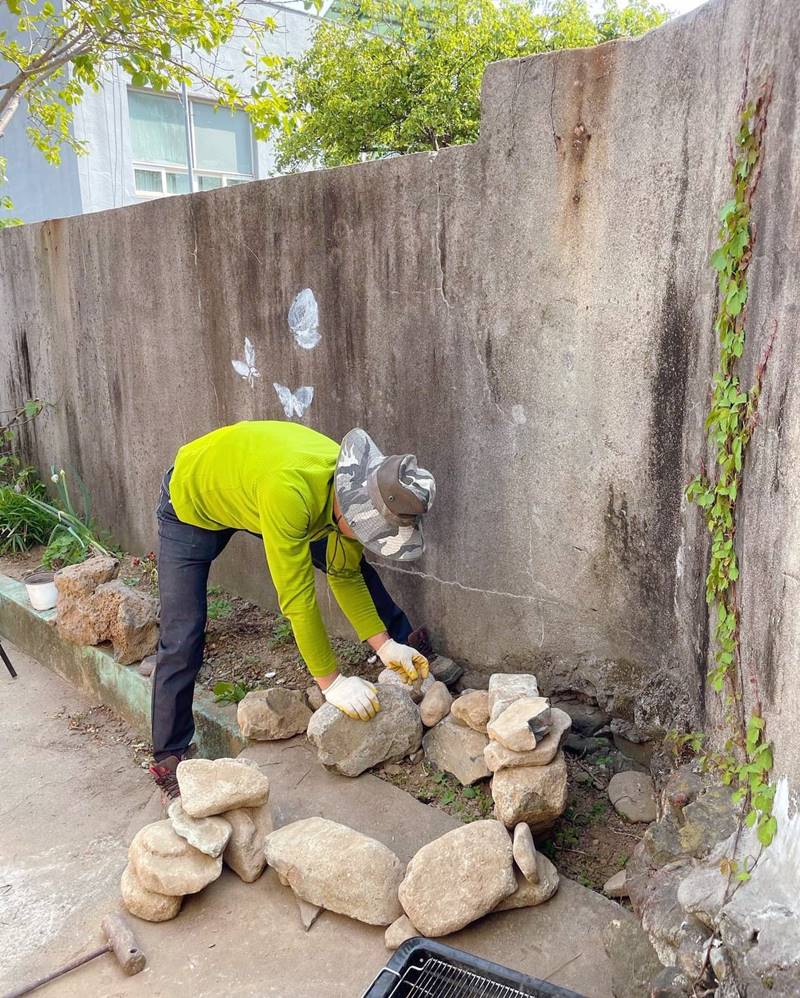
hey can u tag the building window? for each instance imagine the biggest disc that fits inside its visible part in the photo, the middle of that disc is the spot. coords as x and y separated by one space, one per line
221 145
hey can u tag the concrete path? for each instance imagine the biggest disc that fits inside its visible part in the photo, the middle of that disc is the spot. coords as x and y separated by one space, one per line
68 807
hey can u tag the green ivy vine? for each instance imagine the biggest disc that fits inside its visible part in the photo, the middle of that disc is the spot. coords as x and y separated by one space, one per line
745 760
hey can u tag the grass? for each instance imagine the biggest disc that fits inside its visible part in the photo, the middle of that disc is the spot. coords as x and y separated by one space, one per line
22 525
281 633
219 608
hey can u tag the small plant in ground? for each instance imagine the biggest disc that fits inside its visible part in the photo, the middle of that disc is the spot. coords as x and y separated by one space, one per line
282 633
230 692
219 608
21 525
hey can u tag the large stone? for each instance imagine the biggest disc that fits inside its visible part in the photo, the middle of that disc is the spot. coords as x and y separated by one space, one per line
76 623
269 715
457 750
708 820
337 868
505 688
165 863
633 796
522 725
416 690
76 582
351 747
529 893
209 835
244 853
458 877
213 786
634 962
472 710
677 937
142 903
398 932
498 757
525 852
536 795
129 619
435 704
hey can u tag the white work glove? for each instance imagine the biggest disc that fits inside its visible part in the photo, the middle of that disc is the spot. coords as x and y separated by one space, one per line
404 660
353 696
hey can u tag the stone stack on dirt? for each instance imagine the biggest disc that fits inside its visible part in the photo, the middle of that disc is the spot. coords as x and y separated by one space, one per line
94 606
222 816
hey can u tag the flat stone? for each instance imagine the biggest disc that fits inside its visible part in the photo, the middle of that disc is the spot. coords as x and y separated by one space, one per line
435 704
525 852
634 962
499 757
445 670
165 863
273 714
529 893
309 913
472 710
213 786
337 868
633 796
505 688
522 725
79 581
398 932
245 850
457 750
351 746
615 887
209 835
315 698
536 795
149 905
458 877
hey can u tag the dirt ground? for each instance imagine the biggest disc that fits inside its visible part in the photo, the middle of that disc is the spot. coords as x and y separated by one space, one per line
253 647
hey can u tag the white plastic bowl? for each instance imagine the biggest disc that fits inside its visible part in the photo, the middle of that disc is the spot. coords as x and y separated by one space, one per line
42 590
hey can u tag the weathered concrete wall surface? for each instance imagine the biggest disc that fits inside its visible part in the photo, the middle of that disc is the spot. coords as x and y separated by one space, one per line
531 315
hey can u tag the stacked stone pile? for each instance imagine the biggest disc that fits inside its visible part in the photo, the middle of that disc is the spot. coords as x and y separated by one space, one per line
223 816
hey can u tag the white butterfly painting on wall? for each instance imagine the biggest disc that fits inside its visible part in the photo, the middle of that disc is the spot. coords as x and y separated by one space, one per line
304 319
294 403
247 368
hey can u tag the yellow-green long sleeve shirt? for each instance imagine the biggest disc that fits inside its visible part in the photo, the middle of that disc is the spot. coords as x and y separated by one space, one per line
276 479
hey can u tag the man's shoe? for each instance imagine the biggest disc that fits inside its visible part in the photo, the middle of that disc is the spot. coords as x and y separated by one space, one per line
421 642
164 774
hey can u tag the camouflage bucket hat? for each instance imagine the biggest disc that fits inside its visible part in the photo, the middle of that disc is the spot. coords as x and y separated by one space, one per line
383 498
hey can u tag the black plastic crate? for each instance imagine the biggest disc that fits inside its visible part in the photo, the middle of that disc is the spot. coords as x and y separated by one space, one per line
424 968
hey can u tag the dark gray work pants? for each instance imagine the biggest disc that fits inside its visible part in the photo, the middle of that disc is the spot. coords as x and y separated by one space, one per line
185 554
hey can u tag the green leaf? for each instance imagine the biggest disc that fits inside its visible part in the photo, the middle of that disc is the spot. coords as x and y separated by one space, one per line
767 830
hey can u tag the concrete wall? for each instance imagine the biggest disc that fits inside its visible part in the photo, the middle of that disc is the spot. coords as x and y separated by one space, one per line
531 315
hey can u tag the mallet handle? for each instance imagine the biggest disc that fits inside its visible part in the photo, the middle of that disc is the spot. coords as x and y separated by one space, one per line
58 973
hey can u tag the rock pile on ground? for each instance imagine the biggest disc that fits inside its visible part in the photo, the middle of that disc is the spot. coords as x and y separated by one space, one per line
94 606
222 816
351 747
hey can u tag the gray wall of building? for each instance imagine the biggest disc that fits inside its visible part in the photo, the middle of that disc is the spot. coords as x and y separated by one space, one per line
531 315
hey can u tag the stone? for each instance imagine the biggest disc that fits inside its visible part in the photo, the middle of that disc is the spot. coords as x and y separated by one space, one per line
522 725
244 853
472 710
273 714
633 796
337 868
165 863
662 842
587 718
581 745
707 820
309 913
639 752
461 876
457 750
616 886
388 677
351 747
702 893
127 618
79 581
147 666
682 787
77 624
209 835
536 795
505 688
315 698
525 852
670 982
213 786
445 670
398 932
471 681
499 757
529 893
149 905
676 936
634 962
435 704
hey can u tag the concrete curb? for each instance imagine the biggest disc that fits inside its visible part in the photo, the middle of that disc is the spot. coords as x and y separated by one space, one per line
94 670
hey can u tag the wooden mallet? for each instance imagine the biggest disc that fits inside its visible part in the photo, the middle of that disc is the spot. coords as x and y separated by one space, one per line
121 942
